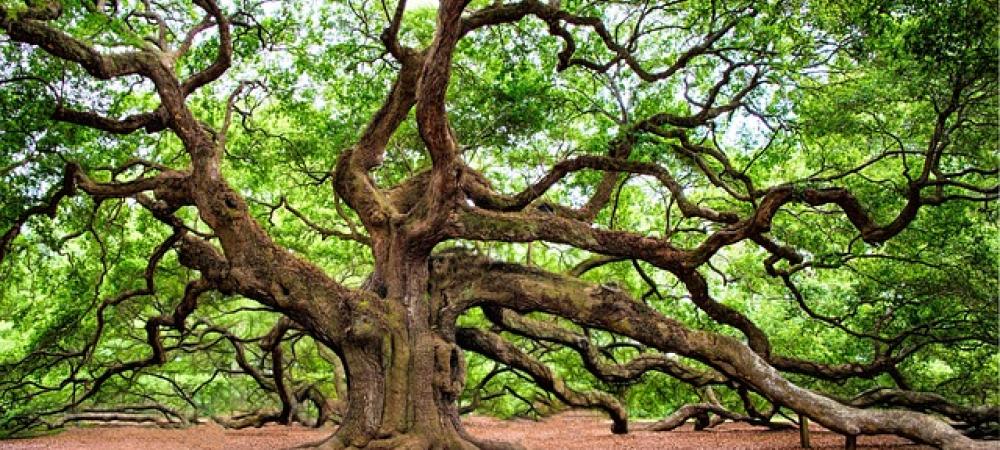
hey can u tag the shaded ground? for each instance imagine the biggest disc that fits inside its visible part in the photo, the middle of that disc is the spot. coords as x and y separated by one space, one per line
572 430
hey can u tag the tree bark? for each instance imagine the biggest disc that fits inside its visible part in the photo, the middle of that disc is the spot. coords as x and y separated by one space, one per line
404 381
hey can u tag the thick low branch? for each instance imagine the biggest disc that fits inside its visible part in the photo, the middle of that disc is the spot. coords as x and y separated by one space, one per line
925 401
700 411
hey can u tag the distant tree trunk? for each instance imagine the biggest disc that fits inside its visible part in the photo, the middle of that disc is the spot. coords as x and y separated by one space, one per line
804 432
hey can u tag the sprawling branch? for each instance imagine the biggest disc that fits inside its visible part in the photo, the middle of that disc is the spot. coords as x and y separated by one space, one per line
29 27
519 201
700 412
526 289
150 122
49 208
556 19
593 358
223 58
925 401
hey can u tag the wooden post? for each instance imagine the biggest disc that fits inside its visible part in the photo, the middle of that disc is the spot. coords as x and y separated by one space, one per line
804 431
851 442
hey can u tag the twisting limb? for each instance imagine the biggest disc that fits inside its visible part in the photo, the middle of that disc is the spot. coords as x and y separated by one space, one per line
496 348
28 26
158 354
554 17
615 165
700 411
49 208
150 122
223 58
592 356
291 395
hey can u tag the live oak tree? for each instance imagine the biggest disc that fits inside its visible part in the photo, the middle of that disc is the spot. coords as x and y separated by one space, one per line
487 159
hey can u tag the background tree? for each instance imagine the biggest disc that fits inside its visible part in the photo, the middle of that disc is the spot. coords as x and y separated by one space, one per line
592 198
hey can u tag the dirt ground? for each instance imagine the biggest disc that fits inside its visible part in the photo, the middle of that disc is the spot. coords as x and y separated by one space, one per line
571 430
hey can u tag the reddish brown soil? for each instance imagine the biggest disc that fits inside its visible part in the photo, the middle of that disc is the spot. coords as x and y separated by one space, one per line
582 430
572 430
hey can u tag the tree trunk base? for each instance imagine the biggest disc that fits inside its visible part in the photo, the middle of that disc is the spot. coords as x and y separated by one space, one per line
411 441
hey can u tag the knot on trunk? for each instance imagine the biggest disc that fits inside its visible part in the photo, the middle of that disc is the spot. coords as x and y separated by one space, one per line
449 369
367 318
174 191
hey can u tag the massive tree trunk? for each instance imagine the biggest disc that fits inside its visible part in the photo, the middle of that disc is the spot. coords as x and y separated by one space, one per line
404 380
